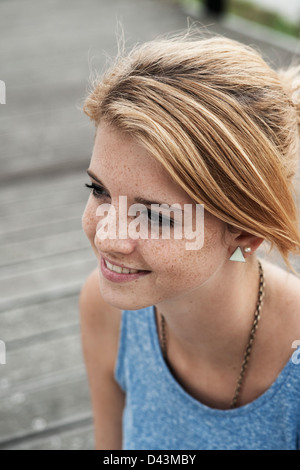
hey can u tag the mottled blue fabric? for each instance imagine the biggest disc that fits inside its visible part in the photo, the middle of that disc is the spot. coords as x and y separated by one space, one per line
160 415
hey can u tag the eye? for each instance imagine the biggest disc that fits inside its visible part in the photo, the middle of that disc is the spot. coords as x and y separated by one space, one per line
98 191
157 218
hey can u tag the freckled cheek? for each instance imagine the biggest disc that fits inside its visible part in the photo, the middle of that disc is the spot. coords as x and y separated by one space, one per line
166 258
89 220
173 264
185 269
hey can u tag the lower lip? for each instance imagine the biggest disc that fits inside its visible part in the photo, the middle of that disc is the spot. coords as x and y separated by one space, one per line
119 277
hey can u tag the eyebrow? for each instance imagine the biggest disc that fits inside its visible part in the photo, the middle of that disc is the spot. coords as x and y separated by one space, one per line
138 199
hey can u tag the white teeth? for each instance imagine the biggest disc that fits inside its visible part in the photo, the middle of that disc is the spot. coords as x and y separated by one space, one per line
120 270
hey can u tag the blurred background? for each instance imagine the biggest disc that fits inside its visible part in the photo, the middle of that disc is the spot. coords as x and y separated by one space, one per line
47 52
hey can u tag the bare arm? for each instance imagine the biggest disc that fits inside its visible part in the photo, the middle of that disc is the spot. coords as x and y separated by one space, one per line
100 324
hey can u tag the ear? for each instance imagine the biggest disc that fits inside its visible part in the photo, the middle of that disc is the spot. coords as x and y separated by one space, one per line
245 239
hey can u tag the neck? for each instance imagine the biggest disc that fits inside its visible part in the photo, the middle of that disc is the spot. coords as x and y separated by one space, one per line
214 321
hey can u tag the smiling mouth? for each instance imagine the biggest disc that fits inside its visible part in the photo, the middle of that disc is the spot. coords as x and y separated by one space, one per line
118 269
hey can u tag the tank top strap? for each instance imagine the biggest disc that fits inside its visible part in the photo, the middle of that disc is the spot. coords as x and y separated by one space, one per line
135 342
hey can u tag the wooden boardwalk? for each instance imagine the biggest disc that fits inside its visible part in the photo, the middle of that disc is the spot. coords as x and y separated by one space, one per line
44 255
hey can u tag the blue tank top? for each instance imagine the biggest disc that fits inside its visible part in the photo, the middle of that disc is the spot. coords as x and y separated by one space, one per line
160 415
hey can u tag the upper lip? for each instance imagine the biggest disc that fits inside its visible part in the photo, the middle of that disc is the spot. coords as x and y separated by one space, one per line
121 265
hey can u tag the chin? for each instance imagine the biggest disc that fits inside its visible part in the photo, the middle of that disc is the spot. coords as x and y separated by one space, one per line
123 302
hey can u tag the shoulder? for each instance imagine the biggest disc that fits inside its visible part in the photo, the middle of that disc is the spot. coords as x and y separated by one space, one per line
282 302
284 287
100 321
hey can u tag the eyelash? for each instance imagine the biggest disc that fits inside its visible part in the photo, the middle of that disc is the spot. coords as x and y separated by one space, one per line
99 192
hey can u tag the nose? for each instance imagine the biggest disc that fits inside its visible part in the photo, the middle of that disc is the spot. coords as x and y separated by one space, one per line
112 237
114 245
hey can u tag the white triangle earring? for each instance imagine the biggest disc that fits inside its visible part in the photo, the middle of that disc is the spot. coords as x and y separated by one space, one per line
238 256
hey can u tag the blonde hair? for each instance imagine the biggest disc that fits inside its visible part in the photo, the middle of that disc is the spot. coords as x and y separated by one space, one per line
221 122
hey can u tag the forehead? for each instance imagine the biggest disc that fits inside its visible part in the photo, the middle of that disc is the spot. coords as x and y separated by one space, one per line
120 160
119 151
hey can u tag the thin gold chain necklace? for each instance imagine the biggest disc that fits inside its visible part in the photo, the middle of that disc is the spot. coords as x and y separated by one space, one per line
250 341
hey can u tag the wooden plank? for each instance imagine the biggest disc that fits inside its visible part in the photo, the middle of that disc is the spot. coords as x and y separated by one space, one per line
43 295
37 319
59 356
64 155
52 142
44 285
76 248
23 414
44 226
74 244
44 383
35 209
80 437
44 187
51 244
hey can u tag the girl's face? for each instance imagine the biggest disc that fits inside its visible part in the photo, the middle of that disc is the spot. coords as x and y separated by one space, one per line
125 168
